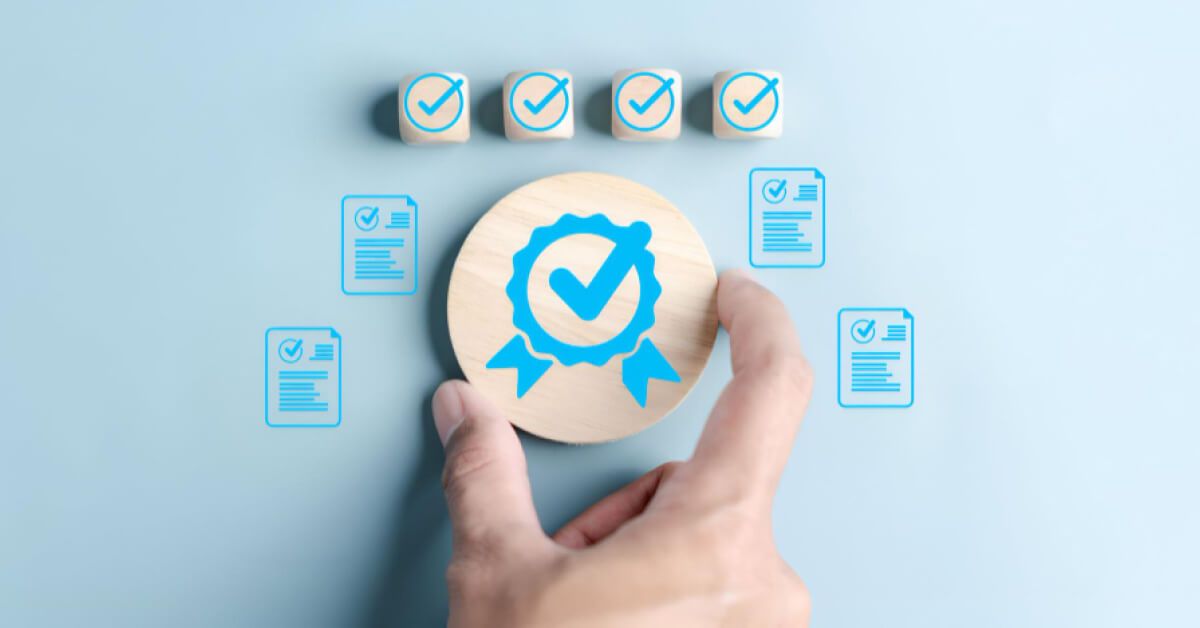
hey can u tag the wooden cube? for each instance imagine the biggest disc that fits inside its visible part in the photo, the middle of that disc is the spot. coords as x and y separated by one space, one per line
435 108
647 104
538 105
748 104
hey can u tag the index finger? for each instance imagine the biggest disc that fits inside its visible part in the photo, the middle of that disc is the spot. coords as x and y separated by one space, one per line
749 434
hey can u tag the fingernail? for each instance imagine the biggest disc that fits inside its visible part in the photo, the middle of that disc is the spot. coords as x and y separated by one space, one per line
448 411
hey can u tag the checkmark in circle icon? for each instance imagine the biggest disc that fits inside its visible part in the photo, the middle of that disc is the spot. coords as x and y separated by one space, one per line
768 87
663 91
775 191
367 218
559 86
863 330
454 87
433 108
587 301
291 349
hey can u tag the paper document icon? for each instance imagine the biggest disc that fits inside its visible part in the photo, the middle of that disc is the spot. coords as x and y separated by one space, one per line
787 218
303 377
875 358
379 244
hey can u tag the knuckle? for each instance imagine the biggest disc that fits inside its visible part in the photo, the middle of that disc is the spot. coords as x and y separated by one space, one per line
479 543
464 577
789 373
463 464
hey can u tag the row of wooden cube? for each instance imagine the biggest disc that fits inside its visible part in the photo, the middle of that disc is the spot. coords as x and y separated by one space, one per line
434 107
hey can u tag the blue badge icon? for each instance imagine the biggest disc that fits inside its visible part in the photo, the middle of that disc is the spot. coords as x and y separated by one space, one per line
629 254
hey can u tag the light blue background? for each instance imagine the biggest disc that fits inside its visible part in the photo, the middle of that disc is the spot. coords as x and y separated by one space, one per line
1019 175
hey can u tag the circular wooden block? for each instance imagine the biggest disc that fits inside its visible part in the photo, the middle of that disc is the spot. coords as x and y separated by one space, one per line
564 228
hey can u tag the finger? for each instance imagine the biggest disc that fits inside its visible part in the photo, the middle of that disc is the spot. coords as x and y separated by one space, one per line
749 434
605 516
485 480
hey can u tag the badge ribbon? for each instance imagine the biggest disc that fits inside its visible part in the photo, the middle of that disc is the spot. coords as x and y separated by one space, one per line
645 363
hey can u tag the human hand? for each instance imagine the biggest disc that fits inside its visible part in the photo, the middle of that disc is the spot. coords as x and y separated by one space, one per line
687 544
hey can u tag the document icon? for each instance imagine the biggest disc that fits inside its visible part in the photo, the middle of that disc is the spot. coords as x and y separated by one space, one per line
303 377
875 358
379 244
787 218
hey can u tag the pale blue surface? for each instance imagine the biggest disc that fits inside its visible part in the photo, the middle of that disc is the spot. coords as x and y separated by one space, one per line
1019 175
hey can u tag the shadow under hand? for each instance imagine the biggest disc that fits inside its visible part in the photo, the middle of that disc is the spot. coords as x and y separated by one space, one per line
411 590
412 587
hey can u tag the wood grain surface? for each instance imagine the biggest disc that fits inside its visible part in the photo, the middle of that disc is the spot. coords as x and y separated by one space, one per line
581 403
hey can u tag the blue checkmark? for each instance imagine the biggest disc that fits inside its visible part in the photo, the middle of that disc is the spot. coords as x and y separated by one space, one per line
644 106
770 86
535 109
291 349
367 218
430 109
662 89
456 86
775 191
767 89
863 330
560 86
588 301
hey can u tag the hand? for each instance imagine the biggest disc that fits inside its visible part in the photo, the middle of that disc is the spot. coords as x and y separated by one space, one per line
687 544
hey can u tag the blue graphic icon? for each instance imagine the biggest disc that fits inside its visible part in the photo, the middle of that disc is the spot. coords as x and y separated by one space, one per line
629 254
787 218
367 217
774 191
767 87
453 88
640 108
534 107
863 330
875 358
379 244
291 350
303 374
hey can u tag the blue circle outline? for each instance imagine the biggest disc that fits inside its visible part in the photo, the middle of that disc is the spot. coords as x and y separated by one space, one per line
518 290
408 114
855 336
721 102
512 93
617 102
359 211
281 355
766 198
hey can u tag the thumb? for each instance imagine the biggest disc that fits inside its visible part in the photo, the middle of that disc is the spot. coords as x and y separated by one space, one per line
486 485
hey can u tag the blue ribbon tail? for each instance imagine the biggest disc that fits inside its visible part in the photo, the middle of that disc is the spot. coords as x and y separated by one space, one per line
645 364
514 355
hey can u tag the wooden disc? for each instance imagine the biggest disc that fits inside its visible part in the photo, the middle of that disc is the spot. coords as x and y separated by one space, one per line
583 402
